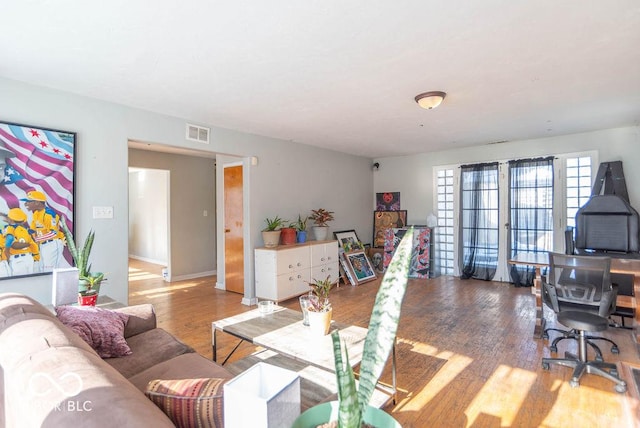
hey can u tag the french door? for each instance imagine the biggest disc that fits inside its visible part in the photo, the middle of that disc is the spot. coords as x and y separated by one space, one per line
505 208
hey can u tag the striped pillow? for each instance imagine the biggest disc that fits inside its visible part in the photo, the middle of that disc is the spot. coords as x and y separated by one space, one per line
189 402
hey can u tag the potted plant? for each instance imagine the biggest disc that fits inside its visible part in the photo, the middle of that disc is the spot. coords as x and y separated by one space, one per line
301 228
319 309
288 234
271 234
353 404
89 284
320 219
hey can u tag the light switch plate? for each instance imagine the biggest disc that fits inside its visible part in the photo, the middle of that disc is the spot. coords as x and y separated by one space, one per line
102 212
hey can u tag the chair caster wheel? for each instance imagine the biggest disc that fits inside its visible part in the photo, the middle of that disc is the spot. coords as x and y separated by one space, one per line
545 366
599 358
553 348
615 350
614 372
574 383
621 388
545 335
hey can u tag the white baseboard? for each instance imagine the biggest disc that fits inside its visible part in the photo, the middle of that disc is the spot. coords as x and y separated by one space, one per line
148 260
193 276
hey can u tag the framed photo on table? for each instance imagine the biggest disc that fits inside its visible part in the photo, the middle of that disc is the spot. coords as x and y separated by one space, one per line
384 220
37 168
360 266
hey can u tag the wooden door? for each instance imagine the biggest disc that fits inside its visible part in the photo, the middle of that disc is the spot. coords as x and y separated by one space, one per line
233 230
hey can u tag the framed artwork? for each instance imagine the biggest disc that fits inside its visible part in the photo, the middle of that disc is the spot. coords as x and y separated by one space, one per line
388 201
348 240
384 220
37 166
344 267
360 266
376 255
419 265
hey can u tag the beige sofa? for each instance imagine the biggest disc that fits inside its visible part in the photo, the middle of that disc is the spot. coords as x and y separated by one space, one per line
49 377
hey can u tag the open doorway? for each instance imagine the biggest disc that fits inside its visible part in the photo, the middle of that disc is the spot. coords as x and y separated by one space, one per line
149 225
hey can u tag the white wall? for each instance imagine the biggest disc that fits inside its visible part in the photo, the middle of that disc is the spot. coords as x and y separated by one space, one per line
289 179
412 176
148 215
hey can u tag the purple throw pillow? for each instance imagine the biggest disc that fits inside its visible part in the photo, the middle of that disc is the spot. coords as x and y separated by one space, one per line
101 328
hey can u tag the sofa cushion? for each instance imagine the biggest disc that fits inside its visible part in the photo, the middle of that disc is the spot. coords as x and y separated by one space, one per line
185 366
101 328
189 402
141 318
148 349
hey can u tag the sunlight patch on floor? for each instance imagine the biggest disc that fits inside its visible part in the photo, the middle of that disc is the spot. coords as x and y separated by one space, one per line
143 276
455 365
502 395
168 289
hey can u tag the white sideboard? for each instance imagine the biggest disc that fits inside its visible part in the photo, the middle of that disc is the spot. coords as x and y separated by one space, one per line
284 272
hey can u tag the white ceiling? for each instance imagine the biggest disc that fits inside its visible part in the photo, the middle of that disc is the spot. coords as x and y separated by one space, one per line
343 74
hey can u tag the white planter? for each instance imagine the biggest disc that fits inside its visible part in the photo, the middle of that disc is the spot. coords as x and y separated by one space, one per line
262 396
320 322
320 232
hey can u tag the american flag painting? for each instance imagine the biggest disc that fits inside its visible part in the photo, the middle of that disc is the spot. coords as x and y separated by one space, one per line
39 159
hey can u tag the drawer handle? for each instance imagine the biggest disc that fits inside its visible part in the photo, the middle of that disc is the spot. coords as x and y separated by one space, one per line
299 276
290 266
321 259
290 278
299 264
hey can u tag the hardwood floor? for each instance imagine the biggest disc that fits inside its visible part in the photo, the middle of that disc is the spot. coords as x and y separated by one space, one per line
466 352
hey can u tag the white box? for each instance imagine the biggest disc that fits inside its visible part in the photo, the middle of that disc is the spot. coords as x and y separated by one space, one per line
262 396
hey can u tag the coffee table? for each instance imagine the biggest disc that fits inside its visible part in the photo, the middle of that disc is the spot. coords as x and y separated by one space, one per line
282 331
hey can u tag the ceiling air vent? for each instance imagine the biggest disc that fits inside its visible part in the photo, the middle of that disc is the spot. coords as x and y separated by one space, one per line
198 133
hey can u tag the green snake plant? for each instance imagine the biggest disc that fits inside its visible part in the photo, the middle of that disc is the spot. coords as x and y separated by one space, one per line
379 342
80 257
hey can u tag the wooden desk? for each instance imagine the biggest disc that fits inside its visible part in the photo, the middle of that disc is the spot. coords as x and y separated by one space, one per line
618 265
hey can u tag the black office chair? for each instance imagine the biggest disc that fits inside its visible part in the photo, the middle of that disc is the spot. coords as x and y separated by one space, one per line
569 277
579 291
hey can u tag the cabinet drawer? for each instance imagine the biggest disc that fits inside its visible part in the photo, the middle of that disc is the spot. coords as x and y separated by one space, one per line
321 272
292 260
324 253
293 284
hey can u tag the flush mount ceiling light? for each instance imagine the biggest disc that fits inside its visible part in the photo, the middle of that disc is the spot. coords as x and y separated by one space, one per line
431 99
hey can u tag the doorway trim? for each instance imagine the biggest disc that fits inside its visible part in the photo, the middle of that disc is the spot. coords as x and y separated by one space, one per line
223 161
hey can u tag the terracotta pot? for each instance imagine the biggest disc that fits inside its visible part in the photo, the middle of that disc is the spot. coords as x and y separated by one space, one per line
287 236
320 322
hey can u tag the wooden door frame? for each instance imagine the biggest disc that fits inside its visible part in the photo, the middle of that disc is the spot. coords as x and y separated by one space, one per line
223 161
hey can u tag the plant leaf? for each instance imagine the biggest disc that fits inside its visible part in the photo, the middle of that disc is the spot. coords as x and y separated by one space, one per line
385 317
349 415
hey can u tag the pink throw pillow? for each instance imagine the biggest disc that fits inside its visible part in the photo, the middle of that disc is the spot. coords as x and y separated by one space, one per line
101 328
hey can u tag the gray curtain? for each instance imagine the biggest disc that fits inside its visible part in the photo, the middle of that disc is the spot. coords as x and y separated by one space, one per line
530 212
479 208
